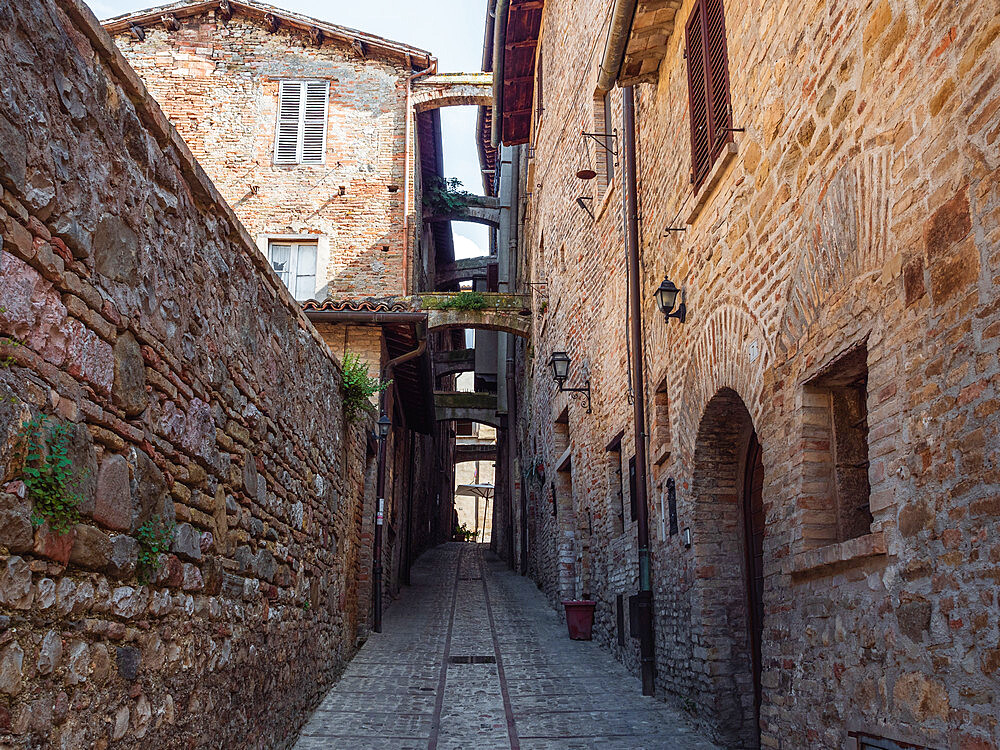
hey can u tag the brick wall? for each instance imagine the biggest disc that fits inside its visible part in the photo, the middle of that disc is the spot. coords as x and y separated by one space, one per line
171 372
860 207
218 83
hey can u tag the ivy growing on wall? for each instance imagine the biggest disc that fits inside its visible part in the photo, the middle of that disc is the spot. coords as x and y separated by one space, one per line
445 197
358 387
155 537
48 475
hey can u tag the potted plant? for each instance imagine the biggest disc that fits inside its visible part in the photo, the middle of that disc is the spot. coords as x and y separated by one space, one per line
580 618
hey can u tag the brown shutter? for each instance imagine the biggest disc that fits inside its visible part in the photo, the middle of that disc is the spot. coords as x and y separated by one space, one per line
708 86
720 111
698 96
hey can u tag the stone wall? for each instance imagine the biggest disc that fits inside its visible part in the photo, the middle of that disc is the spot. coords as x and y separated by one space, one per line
217 80
136 312
858 211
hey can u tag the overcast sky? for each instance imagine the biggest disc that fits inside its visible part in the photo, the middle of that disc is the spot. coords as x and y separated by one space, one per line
452 30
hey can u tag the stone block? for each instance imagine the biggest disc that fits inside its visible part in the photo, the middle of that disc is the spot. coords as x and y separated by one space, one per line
124 556
56 547
15 584
113 497
83 460
16 532
191 578
91 549
148 489
49 653
13 155
264 565
129 388
11 668
187 542
128 659
116 250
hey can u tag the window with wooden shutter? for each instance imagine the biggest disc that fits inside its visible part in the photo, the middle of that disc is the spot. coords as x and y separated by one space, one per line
302 116
708 86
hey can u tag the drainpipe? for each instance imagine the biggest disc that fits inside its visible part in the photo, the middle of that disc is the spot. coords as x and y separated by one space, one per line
614 48
499 40
646 644
432 68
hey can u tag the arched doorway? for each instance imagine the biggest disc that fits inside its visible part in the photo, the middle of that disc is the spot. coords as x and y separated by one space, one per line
729 529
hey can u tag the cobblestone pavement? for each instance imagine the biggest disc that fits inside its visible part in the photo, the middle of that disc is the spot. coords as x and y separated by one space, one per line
472 657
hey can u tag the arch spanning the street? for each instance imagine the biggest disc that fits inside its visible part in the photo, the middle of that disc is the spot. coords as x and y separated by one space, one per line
452 90
508 321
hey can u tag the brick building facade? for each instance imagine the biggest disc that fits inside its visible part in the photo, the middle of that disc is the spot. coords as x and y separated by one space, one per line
821 433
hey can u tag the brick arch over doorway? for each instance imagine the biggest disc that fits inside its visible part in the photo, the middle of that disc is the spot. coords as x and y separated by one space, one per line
723 609
729 351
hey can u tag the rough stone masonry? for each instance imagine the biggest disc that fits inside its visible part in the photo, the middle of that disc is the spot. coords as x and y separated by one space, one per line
137 315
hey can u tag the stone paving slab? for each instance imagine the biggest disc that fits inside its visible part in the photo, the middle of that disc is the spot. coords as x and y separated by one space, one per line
535 690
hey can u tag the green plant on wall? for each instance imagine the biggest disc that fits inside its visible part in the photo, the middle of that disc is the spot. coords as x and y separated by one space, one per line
48 475
8 341
154 537
445 197
465 301
358 387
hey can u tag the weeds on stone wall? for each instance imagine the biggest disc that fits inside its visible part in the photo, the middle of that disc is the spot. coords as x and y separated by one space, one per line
465 301
48 475
444 197
155 537
358 387
8 341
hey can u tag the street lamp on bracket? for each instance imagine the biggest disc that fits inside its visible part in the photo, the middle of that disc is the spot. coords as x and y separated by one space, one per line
559 363
666 297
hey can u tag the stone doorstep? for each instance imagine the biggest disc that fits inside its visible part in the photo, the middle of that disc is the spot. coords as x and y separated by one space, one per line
832 557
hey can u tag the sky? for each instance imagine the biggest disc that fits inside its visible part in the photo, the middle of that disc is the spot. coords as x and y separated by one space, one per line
452 31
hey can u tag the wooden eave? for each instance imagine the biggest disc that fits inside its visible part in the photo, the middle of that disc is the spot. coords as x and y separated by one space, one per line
524 22
415 57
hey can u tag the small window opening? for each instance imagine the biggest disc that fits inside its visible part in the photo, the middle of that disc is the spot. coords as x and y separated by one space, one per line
616 495
632 493
660 440
836 441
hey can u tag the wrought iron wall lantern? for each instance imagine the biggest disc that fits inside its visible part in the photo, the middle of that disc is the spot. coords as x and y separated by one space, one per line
666 298
560 362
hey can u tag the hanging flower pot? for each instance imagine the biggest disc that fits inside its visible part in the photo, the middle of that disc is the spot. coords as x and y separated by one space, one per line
580 618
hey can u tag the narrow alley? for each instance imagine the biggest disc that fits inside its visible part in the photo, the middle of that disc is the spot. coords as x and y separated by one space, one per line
472 656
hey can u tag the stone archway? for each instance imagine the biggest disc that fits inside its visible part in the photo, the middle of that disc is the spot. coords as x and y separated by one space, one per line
727 544
452 90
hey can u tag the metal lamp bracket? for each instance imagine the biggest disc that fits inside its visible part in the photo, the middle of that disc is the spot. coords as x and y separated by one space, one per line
578 393
602 140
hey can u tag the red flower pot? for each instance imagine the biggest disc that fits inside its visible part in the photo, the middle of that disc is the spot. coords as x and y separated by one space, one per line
580 619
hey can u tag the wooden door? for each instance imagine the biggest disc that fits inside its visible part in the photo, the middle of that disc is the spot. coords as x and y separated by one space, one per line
753 517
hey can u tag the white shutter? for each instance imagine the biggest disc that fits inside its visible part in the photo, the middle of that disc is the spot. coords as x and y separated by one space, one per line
286 150
314 122
305 272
